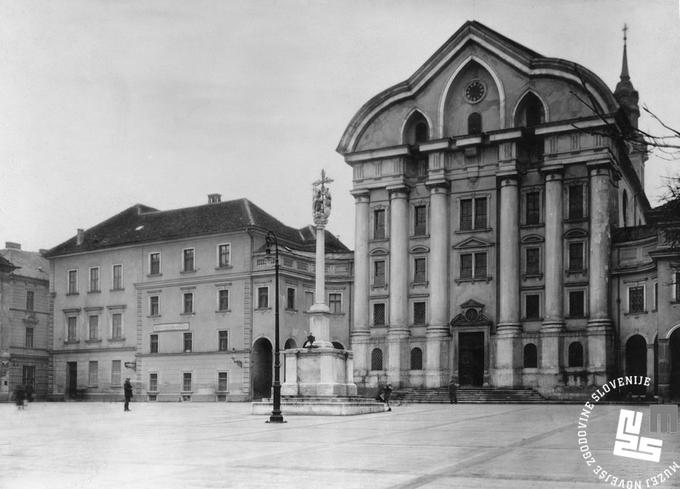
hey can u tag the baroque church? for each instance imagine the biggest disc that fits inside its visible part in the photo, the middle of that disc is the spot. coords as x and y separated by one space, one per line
503 236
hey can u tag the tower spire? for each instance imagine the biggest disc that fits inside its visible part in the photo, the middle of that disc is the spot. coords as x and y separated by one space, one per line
624 65
625 93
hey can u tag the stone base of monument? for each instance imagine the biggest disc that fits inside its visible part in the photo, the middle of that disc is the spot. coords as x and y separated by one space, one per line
321 406
319 381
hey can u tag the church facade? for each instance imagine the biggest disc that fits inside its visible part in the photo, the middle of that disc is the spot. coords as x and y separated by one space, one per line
491 188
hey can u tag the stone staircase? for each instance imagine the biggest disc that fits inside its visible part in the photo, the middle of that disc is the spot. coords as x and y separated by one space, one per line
470 395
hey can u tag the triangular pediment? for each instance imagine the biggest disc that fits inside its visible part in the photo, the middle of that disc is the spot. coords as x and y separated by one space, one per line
472 243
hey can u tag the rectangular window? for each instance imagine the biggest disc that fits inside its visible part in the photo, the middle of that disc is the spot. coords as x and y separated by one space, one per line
153 382
480 265
72 281
94 327
29 338
379 314
480 213
154 305
576 257
28 375
473 214
186 381
656 295
30 300
466 265
419 313
188 303
636 299
577 304
224 255
533 265
532 308
420 220
188 260
71 328
93 374
262 297
223 300
290 298
116 326
153 343
379 224
335 303
117 274
379 273
223 340
222 382
115 372
94 279
675 288
533 208
187 342
309 299
419 273
154 263
576 202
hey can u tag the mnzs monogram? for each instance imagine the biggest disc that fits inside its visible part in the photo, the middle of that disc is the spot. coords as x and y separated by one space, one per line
630 444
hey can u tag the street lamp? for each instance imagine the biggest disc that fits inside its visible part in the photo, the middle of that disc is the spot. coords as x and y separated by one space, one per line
276 416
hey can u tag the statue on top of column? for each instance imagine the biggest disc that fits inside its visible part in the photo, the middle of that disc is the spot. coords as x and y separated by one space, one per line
321 203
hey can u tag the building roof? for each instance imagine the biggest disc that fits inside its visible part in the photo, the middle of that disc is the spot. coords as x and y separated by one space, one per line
24 263
142 224
669 211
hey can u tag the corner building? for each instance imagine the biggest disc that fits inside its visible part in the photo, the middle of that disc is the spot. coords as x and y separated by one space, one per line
487 187
183 302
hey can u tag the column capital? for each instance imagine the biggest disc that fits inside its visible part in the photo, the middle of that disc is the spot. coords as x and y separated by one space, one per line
398 191
438 186
361 195
600 167
509 180
553 172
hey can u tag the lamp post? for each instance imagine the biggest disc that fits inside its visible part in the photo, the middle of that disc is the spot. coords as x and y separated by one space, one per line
276 416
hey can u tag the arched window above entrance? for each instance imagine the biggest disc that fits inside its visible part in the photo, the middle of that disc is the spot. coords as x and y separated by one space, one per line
416 359
530 356
576 354
376 359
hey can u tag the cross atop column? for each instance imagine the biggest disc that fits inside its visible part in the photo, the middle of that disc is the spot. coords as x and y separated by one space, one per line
625 32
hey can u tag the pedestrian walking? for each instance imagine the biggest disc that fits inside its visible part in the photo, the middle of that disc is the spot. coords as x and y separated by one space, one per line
29 392
453 388
127 387
386 394
19 396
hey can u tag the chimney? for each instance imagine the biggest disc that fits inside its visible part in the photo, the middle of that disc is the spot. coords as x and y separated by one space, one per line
214 198
80 237
10 245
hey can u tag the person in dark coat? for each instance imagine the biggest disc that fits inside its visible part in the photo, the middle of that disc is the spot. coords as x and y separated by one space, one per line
386 394
19 396
453 388
127 387
29 393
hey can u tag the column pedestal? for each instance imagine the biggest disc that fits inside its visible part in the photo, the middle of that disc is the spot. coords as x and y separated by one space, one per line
437 348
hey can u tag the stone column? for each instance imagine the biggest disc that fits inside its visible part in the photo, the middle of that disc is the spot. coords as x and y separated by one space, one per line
509 329
553 323
600 339
650 368
438 327
398 285
360 335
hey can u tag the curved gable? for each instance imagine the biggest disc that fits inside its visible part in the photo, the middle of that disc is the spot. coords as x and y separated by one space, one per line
509 70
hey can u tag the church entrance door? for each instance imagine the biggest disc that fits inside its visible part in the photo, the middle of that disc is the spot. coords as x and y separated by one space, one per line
674 347
471 358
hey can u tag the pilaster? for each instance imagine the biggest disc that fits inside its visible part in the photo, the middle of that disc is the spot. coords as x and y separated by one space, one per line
360 334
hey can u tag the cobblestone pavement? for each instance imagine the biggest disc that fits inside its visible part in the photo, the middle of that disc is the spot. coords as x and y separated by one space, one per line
216 445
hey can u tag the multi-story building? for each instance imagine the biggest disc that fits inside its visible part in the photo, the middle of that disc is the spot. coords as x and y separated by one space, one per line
24 319
487 187
182 302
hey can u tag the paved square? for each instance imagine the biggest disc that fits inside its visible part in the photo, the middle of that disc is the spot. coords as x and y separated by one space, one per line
217 445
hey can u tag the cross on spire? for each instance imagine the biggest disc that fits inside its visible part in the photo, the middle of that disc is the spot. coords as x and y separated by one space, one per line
324 179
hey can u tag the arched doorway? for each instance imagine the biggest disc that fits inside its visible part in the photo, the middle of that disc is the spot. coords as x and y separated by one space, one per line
636 361
674 350
261 375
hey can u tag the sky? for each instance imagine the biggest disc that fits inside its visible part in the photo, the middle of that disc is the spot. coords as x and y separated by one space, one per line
109 103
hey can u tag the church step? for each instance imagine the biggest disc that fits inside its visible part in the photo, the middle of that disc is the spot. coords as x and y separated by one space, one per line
468 395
